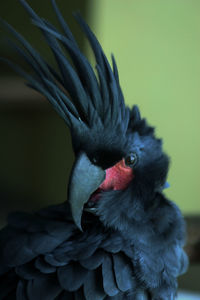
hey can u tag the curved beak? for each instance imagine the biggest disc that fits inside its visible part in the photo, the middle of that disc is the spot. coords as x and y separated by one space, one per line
85 179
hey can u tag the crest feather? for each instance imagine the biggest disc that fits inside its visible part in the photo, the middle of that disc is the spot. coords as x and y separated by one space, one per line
75 91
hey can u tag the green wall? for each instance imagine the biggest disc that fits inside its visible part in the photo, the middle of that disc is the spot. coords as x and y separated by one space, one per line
157 47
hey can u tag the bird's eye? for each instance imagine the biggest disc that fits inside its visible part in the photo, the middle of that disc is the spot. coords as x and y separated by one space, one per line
131 159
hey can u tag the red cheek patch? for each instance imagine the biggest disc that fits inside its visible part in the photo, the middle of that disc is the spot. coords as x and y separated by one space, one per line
118 177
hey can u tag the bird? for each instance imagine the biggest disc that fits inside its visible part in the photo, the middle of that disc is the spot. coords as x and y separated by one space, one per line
117 236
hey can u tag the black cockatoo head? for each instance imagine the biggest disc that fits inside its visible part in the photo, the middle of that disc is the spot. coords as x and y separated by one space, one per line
118 158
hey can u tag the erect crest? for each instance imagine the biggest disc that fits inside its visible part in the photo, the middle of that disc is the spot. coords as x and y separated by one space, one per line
82 98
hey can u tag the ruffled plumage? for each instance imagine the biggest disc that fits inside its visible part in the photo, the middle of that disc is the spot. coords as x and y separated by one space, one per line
132 247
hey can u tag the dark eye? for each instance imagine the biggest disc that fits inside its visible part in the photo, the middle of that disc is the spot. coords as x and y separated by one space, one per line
131 159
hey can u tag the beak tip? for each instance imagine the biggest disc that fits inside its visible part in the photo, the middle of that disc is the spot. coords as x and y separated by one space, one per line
79 227
77 216
78 224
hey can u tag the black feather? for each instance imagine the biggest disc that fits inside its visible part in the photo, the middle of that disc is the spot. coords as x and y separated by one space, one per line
27 271
43 266
93 261
93 287
83 67
43 288
66 29
141 295
49 258
72 276
123 272
21 291
109 283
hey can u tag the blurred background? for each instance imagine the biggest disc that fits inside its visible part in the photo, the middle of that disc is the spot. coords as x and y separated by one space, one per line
157 48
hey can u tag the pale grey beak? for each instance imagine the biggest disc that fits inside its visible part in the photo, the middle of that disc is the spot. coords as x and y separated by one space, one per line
85 179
